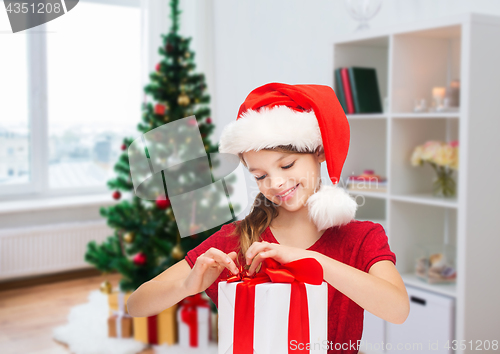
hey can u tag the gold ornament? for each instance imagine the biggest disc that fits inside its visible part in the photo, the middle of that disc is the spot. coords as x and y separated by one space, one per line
187 54
106 287
188 140
177 252
197 100
183 99
129 237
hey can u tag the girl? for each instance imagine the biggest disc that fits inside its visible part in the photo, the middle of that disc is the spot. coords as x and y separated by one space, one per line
282 135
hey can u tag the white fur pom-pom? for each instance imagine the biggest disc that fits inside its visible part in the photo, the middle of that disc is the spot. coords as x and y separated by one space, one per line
331 206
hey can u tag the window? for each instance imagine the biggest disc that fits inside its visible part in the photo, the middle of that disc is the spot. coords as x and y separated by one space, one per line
14 133
73 92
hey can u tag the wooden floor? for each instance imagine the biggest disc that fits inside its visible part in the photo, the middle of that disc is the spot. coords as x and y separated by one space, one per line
28 313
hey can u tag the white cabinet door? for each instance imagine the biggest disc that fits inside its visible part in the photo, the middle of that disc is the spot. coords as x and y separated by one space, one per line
428 328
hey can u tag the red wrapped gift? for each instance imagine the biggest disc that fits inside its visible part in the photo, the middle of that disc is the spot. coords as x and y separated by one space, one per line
300 278
194 322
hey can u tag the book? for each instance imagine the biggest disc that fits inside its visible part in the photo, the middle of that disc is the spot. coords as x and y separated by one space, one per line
339 89
347 90
364 88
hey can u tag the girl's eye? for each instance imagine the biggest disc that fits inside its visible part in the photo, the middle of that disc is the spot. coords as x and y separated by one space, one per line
285 168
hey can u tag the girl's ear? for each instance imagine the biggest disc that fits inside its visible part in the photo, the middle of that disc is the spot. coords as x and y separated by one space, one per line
320 154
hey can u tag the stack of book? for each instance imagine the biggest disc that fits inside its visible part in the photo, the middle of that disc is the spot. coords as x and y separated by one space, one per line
357 90
367 182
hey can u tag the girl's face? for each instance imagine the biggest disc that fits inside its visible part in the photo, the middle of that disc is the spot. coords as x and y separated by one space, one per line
277 172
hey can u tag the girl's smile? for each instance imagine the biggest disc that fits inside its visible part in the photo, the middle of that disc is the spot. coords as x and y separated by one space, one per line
288 194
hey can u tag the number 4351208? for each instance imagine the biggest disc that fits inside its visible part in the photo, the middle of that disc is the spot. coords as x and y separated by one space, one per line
473 345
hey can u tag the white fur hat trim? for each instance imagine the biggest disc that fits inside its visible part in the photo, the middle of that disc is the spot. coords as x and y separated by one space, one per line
268 128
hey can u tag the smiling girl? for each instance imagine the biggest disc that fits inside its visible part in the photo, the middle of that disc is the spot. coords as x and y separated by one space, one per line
282 135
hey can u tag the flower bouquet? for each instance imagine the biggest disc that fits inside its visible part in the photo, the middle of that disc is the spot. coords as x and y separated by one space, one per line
443 157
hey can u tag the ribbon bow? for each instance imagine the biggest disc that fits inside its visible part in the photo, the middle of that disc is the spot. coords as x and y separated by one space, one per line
189 315
296 273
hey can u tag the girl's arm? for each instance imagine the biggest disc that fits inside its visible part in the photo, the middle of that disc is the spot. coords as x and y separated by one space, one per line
161 292
381 291
178 282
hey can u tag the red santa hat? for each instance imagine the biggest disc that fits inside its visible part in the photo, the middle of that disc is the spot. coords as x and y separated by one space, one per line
306 117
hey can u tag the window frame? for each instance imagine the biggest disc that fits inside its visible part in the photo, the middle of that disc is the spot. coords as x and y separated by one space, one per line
38 120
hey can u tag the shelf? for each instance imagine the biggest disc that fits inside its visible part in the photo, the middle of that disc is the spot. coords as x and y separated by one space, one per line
449 289
367 116
410 60
426 115
381 195
427 199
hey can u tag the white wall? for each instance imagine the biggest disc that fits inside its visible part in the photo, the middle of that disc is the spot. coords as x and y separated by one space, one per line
261 41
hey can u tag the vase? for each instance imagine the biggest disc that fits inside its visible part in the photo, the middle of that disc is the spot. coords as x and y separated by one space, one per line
362 11
444 185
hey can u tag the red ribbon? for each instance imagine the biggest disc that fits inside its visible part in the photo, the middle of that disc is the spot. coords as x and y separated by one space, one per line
153 329
297 273
189 315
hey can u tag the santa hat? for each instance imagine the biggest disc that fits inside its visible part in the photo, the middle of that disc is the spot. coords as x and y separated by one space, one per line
306 117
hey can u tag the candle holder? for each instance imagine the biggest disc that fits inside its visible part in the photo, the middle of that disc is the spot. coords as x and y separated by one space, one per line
420 106
438 95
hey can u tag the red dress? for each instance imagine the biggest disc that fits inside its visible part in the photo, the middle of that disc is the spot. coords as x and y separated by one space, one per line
359 244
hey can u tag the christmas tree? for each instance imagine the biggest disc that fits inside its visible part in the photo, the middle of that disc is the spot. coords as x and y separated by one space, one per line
146 238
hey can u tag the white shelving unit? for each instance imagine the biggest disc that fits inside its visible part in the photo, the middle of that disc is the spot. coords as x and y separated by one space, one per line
410 60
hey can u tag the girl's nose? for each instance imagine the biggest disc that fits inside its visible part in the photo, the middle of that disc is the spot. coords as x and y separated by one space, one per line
277 183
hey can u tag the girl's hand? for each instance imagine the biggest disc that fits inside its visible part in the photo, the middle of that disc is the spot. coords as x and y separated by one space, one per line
283 254
207 269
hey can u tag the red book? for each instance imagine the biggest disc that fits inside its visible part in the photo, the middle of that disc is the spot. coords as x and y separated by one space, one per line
347 90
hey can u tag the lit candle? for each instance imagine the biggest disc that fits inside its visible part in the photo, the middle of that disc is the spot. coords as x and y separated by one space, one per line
438 92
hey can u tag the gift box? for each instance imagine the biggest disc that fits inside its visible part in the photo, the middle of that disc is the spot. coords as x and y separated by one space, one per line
120 323
157 329
194 321
113 301
214 335
275 310
120 326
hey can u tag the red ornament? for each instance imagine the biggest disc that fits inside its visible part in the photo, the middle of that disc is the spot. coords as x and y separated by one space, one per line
140 259
203 135
117 195
162 203
158 67
159 109
124 146
209 120
170 48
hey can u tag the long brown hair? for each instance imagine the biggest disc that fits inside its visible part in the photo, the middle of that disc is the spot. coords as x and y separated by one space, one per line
261 215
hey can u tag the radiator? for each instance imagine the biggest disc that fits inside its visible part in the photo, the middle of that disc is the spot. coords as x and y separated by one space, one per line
48 248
